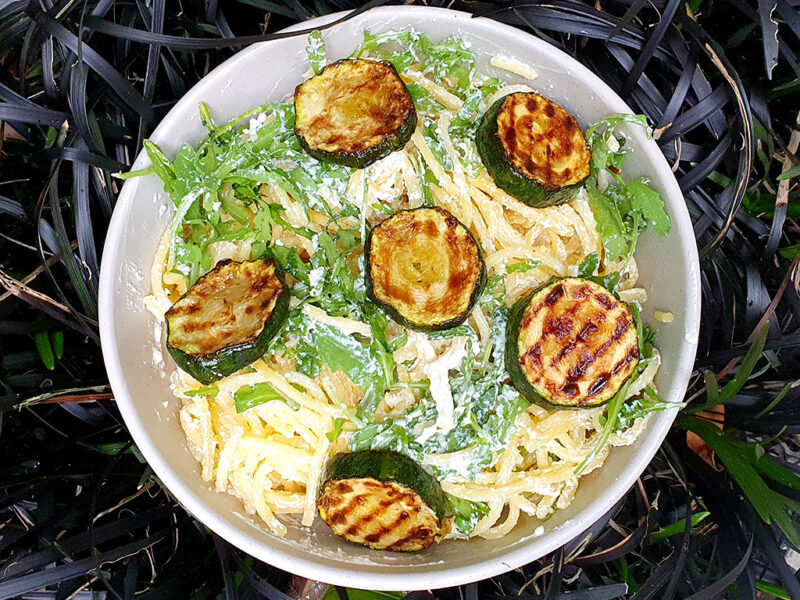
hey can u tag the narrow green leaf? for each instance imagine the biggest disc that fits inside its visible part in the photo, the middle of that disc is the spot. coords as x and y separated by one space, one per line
248 396
523 266
110 449
738 459
338 424
611 424
712 390
205 117
57 339
773 589
748 364
315 48
781 395
793 172
50 137
588 265
45 350
678 527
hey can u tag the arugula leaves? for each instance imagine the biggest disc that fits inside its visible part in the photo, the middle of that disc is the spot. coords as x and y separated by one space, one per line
641 407
223 177
248 396
622 209
466 513
315 48
522 267
449 59
484 411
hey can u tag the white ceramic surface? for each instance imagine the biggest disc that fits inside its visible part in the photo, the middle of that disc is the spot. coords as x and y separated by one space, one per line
136 363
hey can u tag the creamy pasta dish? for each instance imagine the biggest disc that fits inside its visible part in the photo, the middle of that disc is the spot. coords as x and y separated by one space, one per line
405 300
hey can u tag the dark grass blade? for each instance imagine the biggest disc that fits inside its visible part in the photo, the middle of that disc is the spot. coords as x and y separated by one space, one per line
82 541
183 43
81 155
696 115
649 48
83 224
77 274
98 64
34 115
769 33
156 25
17 586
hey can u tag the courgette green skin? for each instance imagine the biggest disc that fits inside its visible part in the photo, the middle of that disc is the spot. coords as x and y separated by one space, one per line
480 284
385 465
360 160
209 368
493 156
515 372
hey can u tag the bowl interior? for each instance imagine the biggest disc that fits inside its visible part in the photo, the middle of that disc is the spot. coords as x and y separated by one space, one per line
138 366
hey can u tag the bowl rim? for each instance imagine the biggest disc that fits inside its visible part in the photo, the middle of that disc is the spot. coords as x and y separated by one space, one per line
429 576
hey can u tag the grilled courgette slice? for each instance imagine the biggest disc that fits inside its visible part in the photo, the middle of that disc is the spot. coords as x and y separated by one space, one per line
533 149
354 113
570 344
383 500
424 268
226 320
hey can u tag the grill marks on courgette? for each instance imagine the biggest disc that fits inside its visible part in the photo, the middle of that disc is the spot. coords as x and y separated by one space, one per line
533 149
383 500
226 320
378 514
570 344
354 113
424 268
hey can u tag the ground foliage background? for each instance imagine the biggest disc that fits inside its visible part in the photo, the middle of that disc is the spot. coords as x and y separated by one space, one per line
83 82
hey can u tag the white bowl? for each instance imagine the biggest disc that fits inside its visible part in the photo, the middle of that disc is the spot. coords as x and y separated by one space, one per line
135 362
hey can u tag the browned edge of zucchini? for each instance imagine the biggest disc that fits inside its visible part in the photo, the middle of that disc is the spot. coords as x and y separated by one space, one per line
218 360
378 118
585 349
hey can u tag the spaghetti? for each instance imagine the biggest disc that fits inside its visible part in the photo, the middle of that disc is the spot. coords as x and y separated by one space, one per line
272 456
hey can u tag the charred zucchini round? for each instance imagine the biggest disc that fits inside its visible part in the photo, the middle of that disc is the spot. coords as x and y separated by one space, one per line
570 344
533 149
383 500
424 268
354 113
226 320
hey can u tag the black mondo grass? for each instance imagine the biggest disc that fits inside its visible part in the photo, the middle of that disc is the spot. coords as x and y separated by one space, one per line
82 84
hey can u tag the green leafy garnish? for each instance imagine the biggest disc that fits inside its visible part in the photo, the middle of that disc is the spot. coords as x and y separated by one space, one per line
205 391
248 396
522 267
638 408
609 427
338 425
466 513
588 265
622 209
315 48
